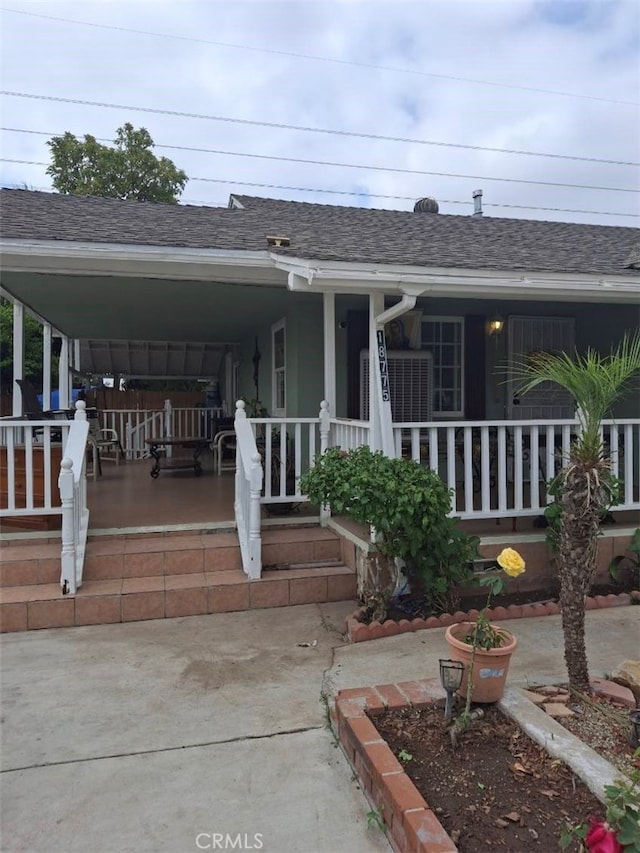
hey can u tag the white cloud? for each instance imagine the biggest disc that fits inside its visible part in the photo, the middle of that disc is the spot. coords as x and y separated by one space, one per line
589 48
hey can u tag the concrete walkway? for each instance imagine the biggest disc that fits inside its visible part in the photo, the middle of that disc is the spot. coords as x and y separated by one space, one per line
170 735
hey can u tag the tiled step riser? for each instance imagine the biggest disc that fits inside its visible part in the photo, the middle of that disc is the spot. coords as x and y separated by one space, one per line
275 589
27 572
152 564
117 562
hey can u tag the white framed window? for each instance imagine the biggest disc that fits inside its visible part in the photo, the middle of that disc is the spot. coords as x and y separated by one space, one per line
279 374
443 337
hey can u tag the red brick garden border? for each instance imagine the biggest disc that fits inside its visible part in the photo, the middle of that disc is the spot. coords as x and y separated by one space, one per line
410 824
359 632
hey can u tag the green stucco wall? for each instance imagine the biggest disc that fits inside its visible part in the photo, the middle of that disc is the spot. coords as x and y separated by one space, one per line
596 325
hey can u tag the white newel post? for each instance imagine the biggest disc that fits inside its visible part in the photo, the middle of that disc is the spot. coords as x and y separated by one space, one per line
255 541
325 426
68 558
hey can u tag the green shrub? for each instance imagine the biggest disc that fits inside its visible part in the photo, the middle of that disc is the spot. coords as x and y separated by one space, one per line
408 505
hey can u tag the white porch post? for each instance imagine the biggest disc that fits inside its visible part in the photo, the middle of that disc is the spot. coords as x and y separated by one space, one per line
18 356
76 354
380 419
168 426
46 366
329 302
325 426
63 374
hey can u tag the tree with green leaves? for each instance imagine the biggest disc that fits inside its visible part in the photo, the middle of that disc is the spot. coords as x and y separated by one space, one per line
32 349
128 170
585 487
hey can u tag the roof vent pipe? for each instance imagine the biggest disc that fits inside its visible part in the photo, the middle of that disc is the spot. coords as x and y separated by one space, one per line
477 202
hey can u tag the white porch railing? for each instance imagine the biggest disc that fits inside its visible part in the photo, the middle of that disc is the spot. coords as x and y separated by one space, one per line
72 483
349 434
28 471
134 426
501 468
494 468
139 425
288 447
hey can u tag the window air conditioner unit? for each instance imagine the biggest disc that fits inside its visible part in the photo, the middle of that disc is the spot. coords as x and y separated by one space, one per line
410 384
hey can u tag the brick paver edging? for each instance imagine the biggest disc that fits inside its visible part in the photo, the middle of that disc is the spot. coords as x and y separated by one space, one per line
410 825
358 631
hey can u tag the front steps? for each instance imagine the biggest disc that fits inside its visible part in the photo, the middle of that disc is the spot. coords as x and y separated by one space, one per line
150 576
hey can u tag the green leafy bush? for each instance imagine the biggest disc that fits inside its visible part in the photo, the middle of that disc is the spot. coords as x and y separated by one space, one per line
408 505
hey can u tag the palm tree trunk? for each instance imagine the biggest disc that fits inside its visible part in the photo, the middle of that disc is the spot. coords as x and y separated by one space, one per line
577 550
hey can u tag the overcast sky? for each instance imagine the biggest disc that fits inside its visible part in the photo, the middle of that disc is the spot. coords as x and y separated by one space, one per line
419 71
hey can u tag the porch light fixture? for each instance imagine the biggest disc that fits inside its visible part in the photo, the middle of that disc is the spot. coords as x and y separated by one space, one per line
495 326
451 672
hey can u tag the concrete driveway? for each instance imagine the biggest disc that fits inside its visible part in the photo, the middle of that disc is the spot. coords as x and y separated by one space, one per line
170 735
209 732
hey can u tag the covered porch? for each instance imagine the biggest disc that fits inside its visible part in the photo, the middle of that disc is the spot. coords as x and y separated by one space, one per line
338 352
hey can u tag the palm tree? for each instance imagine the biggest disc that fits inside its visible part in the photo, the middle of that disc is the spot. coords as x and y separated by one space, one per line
585 487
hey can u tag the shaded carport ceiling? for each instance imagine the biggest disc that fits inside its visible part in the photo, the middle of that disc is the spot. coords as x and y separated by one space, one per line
138 359
144 309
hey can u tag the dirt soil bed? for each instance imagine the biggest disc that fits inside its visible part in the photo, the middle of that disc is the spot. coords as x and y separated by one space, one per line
497 790
411 607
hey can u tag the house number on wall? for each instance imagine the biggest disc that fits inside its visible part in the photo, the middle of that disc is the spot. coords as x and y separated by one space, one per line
384 374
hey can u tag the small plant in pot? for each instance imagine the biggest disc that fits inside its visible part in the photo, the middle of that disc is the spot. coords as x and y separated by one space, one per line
484 649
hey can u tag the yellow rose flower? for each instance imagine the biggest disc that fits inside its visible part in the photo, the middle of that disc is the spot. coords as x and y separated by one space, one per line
511 562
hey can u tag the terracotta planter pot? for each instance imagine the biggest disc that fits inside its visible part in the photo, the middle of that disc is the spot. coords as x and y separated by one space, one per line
490 667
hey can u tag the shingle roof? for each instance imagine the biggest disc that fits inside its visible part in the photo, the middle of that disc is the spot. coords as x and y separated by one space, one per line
326 232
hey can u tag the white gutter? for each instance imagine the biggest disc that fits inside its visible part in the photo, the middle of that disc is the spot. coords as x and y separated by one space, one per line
131 252
71 258
363 278
405 304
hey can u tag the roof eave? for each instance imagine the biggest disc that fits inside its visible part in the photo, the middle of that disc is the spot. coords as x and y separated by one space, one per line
308 275
175 262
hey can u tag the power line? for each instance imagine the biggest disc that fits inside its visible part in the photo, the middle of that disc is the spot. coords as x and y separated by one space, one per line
406 198
293 55
280 126
352 165
367 194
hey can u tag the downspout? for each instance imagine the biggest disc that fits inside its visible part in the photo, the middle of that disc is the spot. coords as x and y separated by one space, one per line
407 303
380 409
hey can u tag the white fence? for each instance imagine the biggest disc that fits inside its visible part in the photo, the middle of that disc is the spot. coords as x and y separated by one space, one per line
135 426
288 447
493 468
501 468
43 472
29 466
349 434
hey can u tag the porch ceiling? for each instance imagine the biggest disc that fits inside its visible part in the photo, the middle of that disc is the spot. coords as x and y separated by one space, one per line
137 359
143 309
